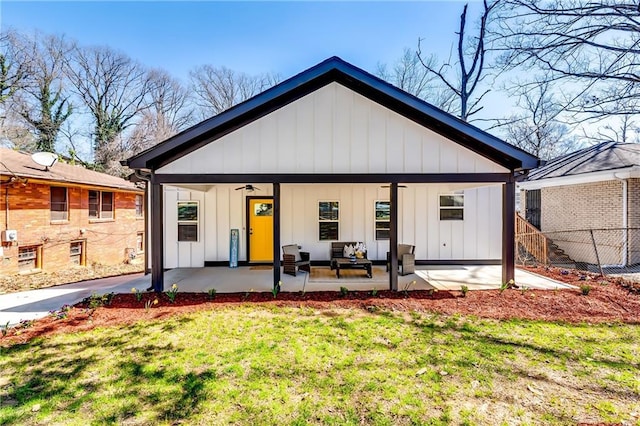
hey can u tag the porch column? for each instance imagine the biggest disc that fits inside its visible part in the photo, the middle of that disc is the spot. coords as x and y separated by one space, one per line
157 243
276 236
393 237
508 230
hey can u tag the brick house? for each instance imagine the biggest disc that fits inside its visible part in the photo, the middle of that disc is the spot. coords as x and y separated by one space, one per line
595 190
65 215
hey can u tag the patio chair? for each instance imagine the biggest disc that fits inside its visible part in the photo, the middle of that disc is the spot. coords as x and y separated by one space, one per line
294 258
406 259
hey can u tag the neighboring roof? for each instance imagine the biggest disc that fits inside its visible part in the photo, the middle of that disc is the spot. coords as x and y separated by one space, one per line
608 156
20 164
356 79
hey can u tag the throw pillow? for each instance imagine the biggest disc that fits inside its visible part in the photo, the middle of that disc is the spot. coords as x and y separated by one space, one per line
348 251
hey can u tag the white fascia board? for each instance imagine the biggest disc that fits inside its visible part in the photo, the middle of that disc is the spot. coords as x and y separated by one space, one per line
602 176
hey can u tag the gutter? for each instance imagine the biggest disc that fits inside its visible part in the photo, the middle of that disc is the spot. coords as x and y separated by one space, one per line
146 178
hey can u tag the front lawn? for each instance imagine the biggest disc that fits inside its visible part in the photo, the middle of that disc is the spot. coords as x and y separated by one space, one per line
270 365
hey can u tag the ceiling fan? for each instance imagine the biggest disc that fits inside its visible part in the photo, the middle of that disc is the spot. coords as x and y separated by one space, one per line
388 186
249 188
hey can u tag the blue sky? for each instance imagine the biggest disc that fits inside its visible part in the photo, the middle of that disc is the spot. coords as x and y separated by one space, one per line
254 37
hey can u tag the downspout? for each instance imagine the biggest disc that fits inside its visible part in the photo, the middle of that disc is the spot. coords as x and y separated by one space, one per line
625 220
146 178
6 207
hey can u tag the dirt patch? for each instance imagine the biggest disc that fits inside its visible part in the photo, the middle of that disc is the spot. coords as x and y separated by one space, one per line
607 301
16 283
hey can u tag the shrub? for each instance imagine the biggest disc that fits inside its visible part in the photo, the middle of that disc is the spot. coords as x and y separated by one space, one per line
344 291
585 289
464 289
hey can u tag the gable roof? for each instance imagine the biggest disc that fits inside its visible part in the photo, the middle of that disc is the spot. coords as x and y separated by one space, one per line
330 70
608 156
20 164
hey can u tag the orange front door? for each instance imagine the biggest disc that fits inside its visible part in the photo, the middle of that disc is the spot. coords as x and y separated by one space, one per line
261 230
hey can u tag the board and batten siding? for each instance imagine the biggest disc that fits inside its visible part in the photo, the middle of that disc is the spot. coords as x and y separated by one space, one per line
222 208
332 130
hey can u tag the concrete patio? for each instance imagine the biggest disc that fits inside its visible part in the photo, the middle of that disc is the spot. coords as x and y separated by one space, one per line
260 278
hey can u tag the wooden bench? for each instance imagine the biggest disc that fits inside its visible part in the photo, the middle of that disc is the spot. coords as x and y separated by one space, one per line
337 252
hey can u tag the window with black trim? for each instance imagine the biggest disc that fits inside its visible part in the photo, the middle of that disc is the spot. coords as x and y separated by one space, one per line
59 203
139 206
328 220
101 205
188 221
452 207
382 219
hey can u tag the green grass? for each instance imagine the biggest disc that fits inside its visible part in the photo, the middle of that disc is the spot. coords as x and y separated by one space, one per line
256 365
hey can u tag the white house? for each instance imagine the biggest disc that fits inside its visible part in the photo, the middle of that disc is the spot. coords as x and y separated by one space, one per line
333 153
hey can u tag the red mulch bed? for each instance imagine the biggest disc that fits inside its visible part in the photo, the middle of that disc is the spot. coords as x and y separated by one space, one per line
609 300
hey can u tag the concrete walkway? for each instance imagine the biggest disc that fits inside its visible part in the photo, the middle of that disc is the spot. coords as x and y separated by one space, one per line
35 304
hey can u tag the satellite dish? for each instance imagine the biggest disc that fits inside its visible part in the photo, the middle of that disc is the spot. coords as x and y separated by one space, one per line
46 159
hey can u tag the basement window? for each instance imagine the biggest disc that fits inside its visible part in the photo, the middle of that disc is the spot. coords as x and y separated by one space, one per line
140 242
29 258
76 253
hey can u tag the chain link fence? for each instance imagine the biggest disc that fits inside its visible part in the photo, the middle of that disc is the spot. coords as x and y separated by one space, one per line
604 251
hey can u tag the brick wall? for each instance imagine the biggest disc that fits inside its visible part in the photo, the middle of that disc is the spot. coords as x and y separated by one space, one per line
634 202
105 240
588 206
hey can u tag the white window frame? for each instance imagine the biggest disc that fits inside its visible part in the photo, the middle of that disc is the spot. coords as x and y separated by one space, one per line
183 222
321 220
454 207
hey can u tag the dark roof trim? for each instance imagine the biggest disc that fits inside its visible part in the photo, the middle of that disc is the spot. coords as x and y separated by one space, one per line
330 70
333 178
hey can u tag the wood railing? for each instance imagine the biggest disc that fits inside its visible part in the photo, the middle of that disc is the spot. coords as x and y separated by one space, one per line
531 239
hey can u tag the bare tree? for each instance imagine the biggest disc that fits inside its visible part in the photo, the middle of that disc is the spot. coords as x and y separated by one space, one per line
13 65
592 46
408 74
471 54
537 130
169 113
217 89
625 130
42 101
114 89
